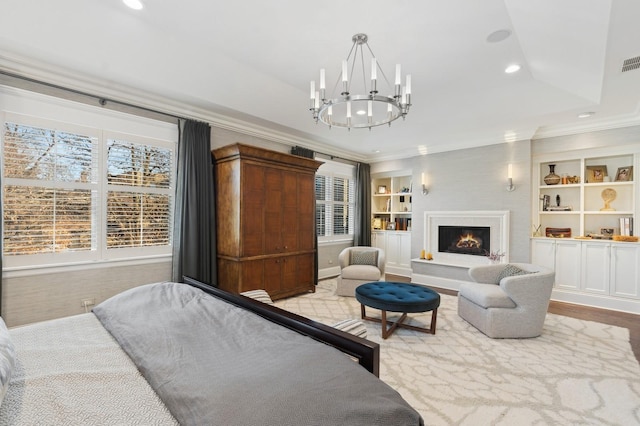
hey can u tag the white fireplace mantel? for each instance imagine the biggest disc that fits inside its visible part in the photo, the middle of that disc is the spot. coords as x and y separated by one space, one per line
497 221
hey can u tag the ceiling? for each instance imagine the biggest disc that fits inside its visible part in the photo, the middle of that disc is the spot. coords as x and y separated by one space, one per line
253 60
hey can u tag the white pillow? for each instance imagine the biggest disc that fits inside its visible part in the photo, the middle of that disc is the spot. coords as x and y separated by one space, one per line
7 359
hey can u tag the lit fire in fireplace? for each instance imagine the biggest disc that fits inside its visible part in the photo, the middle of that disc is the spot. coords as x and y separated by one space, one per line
468 241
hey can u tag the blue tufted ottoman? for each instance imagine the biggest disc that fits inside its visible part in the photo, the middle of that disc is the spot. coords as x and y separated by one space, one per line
398 297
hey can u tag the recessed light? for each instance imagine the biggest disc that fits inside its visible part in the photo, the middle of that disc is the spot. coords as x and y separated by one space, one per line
586 114
498 36
133 4
512 68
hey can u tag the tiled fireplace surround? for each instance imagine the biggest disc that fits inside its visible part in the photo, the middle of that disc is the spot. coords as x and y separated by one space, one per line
448 269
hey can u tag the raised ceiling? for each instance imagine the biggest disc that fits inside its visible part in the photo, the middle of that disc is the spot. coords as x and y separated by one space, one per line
253 60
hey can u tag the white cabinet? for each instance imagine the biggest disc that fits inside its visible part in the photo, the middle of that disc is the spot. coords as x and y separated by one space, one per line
625 270
597 272
379 240
595 267
391 204
568 264
397 250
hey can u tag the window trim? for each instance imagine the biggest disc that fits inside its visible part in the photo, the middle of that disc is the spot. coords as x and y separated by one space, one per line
341 170
31 109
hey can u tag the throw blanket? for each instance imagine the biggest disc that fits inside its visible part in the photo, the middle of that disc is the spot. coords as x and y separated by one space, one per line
214 363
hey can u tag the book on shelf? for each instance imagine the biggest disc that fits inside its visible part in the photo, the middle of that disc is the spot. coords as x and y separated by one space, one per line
626 226
403 224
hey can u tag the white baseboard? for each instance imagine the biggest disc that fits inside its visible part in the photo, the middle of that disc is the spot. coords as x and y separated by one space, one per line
325 273
597 301
430 280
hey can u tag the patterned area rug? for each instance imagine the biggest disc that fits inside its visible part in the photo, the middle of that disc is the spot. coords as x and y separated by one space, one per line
576 373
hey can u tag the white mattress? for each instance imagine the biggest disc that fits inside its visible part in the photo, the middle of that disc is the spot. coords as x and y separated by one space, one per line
71 371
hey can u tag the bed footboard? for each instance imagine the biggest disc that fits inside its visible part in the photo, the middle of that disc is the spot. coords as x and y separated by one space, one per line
366 352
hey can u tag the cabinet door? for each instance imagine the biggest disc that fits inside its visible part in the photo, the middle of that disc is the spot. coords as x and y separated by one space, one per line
543 253
252 210
568 264
595 267
305 212
378 239
272 275
393 249
273 212
625 270
289 227
405 249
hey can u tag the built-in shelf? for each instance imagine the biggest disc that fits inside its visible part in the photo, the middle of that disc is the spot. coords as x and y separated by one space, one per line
585 198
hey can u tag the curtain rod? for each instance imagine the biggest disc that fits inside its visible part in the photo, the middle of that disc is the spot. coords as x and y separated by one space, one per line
335 157
22 82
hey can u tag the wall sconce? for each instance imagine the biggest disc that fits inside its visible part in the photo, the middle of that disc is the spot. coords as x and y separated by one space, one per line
510 185
425 191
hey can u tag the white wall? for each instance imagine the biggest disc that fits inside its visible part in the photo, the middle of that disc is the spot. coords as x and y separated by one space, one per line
472 179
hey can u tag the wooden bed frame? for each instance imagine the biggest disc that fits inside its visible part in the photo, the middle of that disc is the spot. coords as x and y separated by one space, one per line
366 352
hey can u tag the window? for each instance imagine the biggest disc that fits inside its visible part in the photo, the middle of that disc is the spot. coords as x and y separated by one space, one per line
335 201
73 193
139 195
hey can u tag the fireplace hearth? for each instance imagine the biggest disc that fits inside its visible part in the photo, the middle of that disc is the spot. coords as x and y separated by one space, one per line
470 240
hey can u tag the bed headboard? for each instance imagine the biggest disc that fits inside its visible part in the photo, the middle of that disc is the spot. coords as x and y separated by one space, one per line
366 352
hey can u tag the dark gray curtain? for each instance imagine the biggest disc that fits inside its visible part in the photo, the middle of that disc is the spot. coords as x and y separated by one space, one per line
194 237
1 247
362 232
307 153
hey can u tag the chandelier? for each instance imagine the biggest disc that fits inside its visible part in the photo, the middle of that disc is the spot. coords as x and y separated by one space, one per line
369 108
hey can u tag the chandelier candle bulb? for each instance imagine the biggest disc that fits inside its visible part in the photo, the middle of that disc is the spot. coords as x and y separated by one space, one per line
374 70
322 82
408 86
345 78
398 75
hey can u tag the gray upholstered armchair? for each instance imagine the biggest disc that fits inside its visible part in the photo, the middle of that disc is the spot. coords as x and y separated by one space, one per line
359 265
507 301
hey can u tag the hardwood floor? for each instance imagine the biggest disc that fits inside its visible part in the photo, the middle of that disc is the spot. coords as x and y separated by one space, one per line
587 313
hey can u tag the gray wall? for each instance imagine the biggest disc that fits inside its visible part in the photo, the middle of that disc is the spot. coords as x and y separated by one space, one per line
39 297
472 179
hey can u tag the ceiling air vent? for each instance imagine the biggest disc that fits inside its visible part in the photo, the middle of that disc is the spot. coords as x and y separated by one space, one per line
631 64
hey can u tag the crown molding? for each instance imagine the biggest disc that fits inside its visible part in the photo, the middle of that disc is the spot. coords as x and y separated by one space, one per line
627 120
68 79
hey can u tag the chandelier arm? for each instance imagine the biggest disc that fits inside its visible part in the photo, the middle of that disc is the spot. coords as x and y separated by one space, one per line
378 65
364 73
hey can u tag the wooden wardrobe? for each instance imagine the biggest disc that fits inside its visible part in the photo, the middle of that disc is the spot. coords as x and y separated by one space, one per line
265 214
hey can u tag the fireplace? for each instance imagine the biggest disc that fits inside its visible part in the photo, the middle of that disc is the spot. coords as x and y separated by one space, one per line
471 240
470 233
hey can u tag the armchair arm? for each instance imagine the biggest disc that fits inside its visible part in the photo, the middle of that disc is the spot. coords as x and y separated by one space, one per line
530 289
381 261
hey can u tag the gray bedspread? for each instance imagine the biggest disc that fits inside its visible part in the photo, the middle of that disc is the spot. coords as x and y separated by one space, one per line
213 363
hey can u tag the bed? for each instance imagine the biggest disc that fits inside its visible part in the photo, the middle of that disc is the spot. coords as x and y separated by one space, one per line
174 353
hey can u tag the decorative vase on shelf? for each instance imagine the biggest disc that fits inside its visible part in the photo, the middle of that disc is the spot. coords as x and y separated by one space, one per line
552 178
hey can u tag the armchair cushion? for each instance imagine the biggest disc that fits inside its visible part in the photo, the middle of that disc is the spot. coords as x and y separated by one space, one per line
364 257
361 272
487 295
